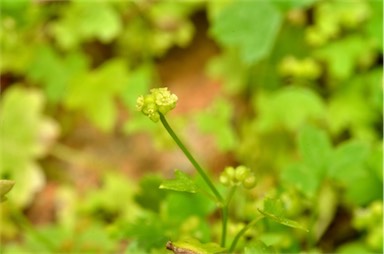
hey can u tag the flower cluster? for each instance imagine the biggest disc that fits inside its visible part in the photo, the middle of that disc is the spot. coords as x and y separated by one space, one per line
240 175
160 100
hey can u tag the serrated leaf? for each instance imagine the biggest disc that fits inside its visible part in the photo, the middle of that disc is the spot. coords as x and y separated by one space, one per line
250 26
182 182
283 221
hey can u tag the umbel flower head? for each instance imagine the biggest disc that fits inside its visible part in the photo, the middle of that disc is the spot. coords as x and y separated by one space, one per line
160 100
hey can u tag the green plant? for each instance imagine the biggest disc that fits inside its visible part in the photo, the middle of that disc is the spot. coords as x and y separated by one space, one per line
158 103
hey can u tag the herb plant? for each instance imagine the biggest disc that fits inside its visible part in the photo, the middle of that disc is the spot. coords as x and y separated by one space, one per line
156 105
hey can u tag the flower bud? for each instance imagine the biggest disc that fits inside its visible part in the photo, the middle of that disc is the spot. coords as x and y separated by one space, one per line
160 100
249 182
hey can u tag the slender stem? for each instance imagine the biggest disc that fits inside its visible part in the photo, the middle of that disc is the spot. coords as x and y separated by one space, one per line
191 159
224 218
224 206
232 191
224 211
242 231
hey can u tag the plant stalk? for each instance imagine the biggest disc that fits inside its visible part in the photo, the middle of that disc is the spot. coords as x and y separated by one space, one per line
220 200
191 159
242 231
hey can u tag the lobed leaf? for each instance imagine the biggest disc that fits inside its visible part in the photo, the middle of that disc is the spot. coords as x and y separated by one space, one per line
182 182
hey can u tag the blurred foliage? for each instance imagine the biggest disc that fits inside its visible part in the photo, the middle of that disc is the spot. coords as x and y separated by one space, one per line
300 104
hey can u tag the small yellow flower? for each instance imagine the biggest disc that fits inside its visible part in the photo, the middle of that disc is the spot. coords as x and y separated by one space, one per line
160 100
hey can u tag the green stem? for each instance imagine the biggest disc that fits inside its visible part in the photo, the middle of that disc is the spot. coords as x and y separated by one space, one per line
242 231
230 195
224 211
224 215
224 206
191 159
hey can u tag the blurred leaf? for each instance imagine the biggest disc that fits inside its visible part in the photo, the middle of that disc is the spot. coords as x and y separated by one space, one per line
342 55
354 248
181 205
26 135
55 72
355 106
193 246
346 157
290 107
94 93
293 4
326 208
303 178
102 204
228 69
374 26
217 121
5 187
182 182
250 26
138 84
274 209
283 221
149 231
258 248
149 196
315 149
82 21
274 206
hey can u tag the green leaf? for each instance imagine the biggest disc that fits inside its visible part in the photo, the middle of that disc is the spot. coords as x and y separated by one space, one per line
5 187
289 107
83 21
258 248
181 205
315 149
149 231
217 121
149 196
138 84
182 183
342 55
229 70
54 72
26 135
347 157
250 26
287 5
94 93
283 221
274 209
193 246
303 178
374 26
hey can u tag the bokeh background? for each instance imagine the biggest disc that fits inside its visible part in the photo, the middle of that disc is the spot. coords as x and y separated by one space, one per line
290 88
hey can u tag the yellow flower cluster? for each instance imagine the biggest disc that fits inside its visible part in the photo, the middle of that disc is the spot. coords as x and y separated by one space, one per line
160 100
